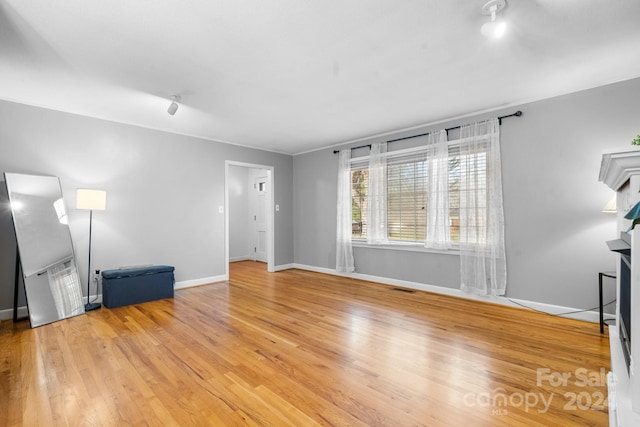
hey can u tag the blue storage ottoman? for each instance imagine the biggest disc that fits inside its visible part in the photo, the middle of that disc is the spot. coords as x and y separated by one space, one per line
135 285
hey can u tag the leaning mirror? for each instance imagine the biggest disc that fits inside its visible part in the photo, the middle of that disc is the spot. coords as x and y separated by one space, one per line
51 280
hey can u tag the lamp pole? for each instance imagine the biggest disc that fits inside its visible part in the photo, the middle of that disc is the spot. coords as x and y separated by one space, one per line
90 200
89 305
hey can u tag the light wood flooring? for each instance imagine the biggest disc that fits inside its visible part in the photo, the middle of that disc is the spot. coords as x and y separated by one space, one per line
296 348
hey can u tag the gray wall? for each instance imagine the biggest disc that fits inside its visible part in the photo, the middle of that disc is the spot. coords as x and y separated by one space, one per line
555 228
163 191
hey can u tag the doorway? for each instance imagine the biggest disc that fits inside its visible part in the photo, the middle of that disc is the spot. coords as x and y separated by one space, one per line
249 219
258 208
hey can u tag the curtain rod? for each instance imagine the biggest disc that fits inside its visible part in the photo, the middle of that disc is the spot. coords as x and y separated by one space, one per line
516 114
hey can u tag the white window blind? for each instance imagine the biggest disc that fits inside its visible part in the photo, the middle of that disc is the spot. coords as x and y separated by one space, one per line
407 195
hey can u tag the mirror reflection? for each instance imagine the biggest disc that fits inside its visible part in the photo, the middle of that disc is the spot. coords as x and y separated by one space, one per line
51 281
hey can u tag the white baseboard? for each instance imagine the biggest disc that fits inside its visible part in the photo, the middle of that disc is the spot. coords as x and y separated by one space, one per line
240 258
198 282
590 316
94 298
284 267
8 313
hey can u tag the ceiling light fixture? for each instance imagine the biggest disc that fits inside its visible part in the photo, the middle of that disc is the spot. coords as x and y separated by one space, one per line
173 107
494 29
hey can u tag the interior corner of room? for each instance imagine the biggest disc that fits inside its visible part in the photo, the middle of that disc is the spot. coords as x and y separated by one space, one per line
167 199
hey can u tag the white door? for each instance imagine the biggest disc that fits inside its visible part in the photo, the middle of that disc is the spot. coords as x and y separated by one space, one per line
260 219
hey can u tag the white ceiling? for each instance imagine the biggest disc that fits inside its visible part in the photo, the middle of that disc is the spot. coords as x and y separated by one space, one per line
295 75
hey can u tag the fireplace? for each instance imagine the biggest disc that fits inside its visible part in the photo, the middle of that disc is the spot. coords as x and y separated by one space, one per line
621 172
623 247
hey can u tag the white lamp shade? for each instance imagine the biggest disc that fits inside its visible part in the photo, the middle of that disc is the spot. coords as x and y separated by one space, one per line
91 199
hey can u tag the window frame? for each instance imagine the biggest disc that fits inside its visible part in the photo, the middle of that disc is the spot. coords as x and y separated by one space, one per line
362 162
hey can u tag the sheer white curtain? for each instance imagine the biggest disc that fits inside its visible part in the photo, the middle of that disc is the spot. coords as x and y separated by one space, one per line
438 230
377 194
344 251
65 288
483 268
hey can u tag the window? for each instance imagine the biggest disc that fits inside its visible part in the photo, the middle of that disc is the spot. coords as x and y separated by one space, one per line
407 192
359 180
406 199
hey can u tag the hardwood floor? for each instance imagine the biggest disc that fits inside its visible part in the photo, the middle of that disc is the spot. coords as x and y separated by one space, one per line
296 348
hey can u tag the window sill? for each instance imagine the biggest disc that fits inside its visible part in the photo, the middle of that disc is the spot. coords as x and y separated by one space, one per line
404 246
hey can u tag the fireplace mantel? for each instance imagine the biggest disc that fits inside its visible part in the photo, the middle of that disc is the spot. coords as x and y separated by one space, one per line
617 168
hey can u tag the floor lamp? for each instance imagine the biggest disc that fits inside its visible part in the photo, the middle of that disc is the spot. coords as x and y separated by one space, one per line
93 200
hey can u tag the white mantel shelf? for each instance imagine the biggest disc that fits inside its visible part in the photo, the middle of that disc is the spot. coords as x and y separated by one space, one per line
617 168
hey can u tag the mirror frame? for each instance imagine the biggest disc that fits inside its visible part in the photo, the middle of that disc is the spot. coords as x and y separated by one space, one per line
52 285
